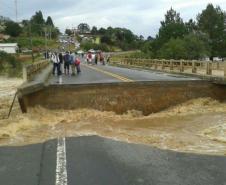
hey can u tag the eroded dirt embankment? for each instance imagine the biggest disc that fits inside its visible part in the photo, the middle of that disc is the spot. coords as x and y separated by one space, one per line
197 126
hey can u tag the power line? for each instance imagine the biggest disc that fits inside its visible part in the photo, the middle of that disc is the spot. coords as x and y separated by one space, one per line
16 10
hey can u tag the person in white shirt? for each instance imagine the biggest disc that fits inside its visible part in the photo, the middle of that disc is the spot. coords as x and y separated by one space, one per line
55 59
73 58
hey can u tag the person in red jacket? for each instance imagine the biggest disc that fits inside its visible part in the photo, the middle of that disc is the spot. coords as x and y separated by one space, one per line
102 58
77 64
89 58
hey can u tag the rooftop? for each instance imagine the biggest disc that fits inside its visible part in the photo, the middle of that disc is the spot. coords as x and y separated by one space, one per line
9 44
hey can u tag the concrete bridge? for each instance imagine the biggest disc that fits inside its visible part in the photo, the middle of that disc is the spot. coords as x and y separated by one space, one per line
94 160
110 87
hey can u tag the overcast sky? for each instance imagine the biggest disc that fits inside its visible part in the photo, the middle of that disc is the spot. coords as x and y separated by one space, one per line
141 16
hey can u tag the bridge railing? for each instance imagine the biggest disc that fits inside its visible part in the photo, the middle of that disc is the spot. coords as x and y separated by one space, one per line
180 66
31 70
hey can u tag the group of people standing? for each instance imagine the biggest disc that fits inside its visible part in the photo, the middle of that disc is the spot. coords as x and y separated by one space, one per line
94 58
70 61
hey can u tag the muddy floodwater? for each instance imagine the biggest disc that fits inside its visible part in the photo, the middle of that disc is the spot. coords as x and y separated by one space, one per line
197 126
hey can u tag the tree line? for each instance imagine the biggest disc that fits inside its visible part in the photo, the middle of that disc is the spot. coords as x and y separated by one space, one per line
37 26
195 39
110 38
203 37
119 37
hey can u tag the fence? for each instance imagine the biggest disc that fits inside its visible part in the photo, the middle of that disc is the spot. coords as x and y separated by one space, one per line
181 66
31 70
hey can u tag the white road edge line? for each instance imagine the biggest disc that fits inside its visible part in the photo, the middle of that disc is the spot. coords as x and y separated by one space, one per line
61 163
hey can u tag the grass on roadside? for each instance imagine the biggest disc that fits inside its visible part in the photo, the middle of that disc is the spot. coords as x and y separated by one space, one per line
12 65
9 65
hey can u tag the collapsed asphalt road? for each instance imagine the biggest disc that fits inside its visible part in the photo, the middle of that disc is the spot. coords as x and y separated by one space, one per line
95 160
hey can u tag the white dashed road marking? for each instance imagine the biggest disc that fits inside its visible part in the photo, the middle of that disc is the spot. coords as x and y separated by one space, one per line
61 165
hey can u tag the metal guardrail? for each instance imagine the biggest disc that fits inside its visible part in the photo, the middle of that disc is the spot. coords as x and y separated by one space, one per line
182 66
31 70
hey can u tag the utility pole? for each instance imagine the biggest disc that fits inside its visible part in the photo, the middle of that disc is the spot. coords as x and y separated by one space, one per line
16 10
31 44
45 39
50 36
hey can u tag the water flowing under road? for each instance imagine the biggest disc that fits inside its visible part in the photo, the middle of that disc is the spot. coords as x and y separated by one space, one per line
197 126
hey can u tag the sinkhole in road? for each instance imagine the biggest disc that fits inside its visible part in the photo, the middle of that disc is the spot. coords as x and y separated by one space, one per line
196 123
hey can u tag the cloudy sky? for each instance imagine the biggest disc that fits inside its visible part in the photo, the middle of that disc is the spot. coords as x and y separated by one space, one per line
141 16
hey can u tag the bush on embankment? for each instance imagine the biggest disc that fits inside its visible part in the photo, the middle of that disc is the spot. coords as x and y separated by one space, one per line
89 45
9 65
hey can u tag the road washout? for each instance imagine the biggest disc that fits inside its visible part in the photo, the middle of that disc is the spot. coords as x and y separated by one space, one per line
197 126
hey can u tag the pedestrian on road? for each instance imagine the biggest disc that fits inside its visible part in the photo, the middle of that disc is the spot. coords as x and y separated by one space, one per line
67 61
93 58
89 58
61 62
72 63
45 55
108 58
56 61
96 58
102 58
77 64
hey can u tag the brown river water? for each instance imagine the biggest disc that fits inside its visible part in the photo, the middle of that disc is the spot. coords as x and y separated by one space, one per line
197 126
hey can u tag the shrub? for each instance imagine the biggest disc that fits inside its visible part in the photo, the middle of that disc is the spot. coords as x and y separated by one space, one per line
89 45
9 65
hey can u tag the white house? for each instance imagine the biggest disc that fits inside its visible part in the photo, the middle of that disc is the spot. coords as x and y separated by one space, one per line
9 47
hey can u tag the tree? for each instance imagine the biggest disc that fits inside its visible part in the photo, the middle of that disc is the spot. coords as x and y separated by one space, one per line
212 22
190 47
68 32
173 49
106 39
171 17
191 26
83 28
196 47
38 18
3 20
94 30
171 27
9 65
37 23
141 37
49 21
125 35
147 48
150 38
25 22
102 31
118 37
55 32
13 29
89 45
